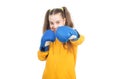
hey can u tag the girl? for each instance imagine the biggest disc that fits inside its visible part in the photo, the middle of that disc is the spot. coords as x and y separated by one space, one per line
59 45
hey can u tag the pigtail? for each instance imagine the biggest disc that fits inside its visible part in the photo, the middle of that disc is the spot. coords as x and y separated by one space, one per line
68 17
46 21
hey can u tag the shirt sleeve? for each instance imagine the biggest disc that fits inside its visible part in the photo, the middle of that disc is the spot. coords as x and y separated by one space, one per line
79 40
42 55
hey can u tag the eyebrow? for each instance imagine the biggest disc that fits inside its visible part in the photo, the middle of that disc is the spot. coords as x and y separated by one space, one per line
55 21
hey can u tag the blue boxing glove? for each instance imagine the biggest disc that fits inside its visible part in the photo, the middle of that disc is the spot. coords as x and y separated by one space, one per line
48 36
66 33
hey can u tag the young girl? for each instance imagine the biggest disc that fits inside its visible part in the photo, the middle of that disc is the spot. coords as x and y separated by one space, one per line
59 45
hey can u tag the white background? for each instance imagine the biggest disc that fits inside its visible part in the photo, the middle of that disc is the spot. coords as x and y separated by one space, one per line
21 24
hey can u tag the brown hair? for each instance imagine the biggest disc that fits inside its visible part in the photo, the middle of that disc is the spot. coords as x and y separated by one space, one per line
64 13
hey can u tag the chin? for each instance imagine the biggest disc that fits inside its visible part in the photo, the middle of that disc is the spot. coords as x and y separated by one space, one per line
53 30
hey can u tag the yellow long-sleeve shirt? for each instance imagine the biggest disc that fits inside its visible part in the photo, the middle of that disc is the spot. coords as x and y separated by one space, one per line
60 61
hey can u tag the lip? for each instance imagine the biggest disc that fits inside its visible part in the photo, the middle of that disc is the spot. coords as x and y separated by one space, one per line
54 29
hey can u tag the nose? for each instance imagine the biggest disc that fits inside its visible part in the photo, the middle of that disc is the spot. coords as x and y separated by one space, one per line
54 26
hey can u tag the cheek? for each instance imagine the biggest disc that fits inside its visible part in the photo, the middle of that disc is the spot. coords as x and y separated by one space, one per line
51 27
58 26
61 24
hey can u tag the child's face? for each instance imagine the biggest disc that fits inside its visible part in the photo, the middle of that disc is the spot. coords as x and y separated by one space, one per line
56 21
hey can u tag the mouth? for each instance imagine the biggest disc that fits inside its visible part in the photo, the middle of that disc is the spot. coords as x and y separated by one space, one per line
53 29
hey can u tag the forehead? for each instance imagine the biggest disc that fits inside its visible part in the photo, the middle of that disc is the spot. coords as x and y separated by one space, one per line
55 17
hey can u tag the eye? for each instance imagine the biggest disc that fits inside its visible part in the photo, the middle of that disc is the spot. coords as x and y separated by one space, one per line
57 22
51 23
